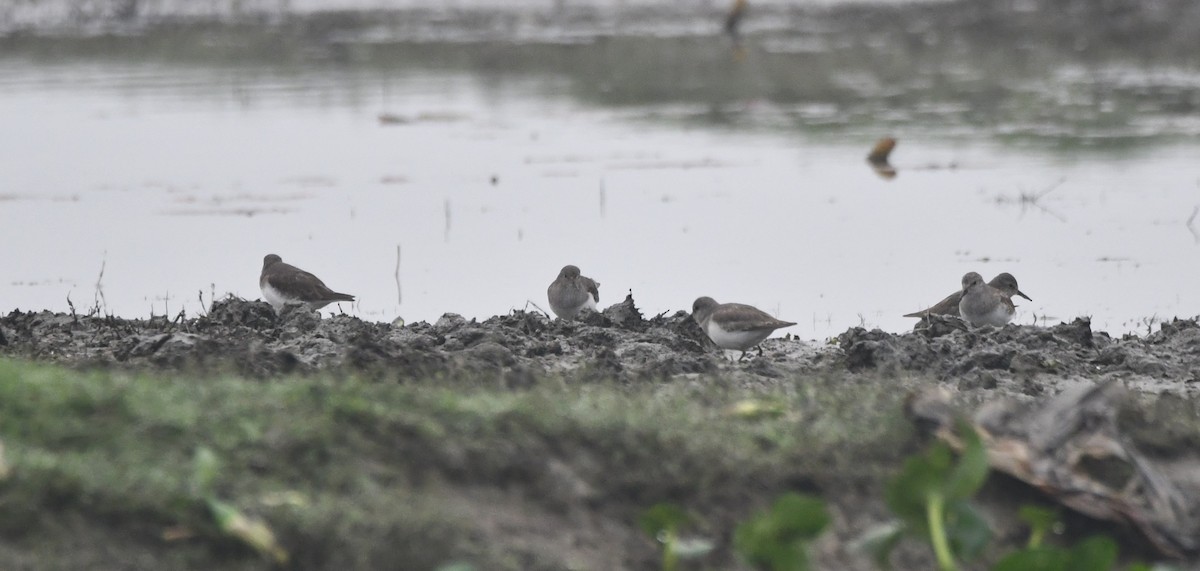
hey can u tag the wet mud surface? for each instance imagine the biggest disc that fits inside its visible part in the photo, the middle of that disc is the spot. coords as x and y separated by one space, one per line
248 338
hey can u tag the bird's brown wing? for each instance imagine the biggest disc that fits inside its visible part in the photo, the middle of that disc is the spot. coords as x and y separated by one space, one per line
948 306
593 288
1007 301
303 285
740 317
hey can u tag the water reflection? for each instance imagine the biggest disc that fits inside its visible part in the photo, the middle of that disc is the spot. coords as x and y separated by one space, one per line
1039 75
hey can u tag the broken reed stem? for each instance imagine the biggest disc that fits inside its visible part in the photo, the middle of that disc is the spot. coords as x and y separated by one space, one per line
530 302
399 294
98 299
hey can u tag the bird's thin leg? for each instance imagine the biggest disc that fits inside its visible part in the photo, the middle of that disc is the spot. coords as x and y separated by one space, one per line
742 357
760 350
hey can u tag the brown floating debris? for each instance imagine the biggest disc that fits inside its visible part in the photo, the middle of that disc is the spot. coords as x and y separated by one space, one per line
881 151
878 158
386 118
393 119
1072 449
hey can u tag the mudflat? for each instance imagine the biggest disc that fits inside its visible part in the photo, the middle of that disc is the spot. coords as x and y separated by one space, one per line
518 442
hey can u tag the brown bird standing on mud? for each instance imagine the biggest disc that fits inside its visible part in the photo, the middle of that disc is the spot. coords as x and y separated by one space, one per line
735 326
283 284
571 292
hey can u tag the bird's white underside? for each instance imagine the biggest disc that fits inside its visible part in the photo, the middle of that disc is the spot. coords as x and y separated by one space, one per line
737 340
571 312
277 299
998 316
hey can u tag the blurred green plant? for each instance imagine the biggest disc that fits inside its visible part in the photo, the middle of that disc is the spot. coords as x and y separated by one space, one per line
1040 520
661 523
1098 553
776 540
931 497
228 519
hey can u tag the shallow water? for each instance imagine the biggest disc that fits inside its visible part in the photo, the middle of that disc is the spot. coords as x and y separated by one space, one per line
743 180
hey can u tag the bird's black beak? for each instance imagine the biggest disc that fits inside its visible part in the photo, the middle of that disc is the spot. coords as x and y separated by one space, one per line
1023 295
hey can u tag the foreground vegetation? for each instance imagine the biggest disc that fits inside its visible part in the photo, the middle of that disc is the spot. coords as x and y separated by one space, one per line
347 473
105 470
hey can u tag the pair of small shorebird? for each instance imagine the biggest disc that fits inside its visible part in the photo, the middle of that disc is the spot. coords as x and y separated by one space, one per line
733 326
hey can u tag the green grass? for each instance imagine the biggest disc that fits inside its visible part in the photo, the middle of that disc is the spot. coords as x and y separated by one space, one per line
356 474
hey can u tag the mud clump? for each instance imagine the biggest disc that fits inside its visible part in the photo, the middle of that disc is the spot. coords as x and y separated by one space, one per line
1014 356
618 343
249 338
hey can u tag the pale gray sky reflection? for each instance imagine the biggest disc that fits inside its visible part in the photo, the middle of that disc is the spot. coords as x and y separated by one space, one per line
490 194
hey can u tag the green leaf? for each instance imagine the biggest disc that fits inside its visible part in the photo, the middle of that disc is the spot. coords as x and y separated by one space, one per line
1038 516
775 539
752 538
661 518
762 553
1096 553
1034 559
921 478
966 530
799 516
971 471
1041 520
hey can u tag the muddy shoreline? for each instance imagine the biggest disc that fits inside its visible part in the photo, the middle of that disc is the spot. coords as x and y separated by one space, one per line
249 339
663 356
